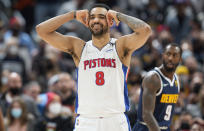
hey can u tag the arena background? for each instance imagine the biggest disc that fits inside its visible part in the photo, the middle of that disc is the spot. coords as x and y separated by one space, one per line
43 68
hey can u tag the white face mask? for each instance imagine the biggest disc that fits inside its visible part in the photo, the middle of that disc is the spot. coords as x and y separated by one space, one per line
13 50
4 80
55 108
16 112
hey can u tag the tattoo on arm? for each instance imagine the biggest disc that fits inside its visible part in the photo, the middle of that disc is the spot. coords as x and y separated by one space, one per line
132 22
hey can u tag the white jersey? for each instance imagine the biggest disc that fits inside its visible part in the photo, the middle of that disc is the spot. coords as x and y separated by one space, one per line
101 81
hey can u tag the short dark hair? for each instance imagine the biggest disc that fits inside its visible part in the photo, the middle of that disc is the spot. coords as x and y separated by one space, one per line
99 5
175 45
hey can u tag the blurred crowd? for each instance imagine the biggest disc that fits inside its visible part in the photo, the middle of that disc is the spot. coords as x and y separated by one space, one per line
36 78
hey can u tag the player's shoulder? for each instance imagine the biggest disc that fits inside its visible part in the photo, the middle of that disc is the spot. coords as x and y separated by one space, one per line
151 75
151 80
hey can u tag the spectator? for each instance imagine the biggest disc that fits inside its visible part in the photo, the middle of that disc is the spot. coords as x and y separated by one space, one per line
52 118
201 100
12 61
32 89
192 64
135 72
183 73
198 46
52 83
16 30
185 121
4 80
18 118
164 37
14 87
178 20
13 90
2 31
134 94
196 127
45 9
45 64
73 27
26 8
67 90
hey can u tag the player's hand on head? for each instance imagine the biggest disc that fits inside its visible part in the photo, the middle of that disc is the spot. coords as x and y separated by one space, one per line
110 16
82 16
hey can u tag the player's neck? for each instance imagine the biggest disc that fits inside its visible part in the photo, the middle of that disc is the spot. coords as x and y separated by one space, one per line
166 73
101 41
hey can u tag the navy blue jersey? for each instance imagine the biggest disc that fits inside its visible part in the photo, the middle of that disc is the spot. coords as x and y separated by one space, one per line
166 98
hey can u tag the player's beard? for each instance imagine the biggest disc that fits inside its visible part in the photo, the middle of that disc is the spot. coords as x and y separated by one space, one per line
103 30
169 69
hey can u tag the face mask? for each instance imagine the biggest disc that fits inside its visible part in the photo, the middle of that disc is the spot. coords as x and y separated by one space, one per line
55 108
185 126
16 31
197 87
16 112
4 80
165 42
186 54
13 50
15 91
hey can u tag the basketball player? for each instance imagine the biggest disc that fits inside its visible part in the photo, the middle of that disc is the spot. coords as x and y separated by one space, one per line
159 93
101 63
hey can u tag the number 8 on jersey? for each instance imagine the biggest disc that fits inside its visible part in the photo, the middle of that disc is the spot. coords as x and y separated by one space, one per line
100 78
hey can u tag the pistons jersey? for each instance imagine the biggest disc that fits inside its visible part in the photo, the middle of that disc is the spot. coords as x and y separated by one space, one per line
166 99
101 81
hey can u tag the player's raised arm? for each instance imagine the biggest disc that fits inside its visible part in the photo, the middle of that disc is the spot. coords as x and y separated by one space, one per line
141 30
151 84
47 31
127 44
